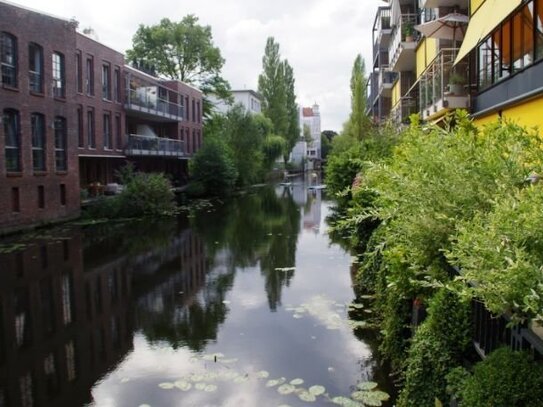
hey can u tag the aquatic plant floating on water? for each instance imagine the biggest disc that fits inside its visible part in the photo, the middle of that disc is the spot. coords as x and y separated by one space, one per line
262 374
297 381
317 390
166 386
286 389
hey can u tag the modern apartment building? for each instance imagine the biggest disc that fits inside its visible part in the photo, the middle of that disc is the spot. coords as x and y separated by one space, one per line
486 60
310 117
249 99
72 112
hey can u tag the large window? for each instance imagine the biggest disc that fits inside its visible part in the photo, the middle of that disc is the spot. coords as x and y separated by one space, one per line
117 84
37 122
106 81
35 67
89 76
61 140
108 142
59 75
12 137
514 45
80 132
79 72
8 59
118 132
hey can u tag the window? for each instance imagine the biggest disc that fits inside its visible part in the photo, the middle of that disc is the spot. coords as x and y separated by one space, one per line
187 116
106 82
37 122
41 197
8 59
193 111
63 194
89 76
61 162
118 132
538 13
108 142
12 140
15 200
91 139
67 299
117 84
59 75
35 67
80 132
79 72
198 112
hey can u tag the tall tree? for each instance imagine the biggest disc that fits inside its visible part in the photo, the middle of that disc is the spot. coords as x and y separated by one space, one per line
293 131
272 86
183 51
359 122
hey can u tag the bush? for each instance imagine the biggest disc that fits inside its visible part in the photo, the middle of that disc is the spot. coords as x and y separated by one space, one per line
147 194
213 170
504 379
437 348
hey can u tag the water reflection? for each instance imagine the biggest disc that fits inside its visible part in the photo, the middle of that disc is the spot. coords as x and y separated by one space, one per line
102 315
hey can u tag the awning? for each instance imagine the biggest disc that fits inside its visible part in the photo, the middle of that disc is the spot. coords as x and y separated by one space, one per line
486 18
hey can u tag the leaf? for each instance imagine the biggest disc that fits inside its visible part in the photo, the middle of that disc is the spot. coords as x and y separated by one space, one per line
367 385
297 381
166 386
317 390
286 389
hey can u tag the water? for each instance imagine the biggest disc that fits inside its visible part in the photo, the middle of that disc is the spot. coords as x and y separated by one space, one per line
116 315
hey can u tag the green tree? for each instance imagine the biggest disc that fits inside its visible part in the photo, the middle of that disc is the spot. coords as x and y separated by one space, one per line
182 51
293 131
272 84
359 122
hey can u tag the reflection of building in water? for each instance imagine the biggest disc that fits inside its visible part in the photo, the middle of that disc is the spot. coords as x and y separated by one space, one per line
62 327
312 211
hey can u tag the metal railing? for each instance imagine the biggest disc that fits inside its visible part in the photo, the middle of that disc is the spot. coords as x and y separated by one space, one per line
403 29
139 145
382 22
387 78
144 101
407 106
441 79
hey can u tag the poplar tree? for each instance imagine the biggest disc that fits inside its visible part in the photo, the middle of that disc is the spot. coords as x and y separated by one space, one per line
293 132
359 122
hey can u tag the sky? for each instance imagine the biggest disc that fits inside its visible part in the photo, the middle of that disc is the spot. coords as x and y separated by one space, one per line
320 38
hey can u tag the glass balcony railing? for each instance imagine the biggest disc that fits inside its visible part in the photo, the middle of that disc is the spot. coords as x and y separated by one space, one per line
442 85
407 106
139 145
403 33
146 100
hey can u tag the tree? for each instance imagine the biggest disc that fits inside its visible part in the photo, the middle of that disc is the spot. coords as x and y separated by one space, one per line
359 122
307 133
182 51
276 84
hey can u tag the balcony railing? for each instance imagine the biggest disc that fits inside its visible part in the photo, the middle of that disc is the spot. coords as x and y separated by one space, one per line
404 36
382 25
139 145
387 79
145 100
407 106
442 86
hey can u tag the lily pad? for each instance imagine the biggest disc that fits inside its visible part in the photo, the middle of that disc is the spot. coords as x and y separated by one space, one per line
241 379
370 398
297 381
183 385
200 386
367 385
262 374
356 306
345 402
273 382
196 378
210 388
166 386
286 389
307 396
317 390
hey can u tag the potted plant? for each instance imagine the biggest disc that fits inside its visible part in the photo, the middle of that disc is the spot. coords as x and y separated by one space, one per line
456 84
408 31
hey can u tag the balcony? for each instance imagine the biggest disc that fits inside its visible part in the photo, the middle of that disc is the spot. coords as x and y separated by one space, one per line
401 53
442 87
152 146
146 101
386 82
382 28
461 4
407 106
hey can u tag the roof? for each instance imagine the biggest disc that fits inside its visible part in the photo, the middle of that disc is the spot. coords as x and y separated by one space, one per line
9 3
307 112
252 92
158 79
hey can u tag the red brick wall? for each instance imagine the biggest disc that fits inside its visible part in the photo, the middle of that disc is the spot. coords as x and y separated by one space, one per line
54 35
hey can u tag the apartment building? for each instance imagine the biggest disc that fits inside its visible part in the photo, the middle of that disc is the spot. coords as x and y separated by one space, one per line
72 113
480 55
249 99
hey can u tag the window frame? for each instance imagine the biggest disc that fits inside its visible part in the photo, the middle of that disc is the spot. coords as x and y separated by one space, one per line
35 77
9 69
61 144
38 139
15 121
59 74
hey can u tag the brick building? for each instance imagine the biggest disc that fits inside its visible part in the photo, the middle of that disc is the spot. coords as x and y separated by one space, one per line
72 112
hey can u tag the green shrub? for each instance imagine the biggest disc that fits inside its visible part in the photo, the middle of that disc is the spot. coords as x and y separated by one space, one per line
147 194
437 348
504 379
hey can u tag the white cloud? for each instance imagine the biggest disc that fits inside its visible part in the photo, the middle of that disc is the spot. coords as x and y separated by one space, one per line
320 38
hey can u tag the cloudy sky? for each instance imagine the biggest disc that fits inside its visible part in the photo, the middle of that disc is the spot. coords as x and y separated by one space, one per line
320 38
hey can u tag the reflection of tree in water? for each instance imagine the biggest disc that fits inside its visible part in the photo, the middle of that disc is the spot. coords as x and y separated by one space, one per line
258 227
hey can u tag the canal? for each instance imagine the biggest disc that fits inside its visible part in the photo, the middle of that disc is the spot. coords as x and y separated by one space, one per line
239 303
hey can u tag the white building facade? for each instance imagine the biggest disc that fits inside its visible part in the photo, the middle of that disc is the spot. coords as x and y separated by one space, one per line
249 99
311 117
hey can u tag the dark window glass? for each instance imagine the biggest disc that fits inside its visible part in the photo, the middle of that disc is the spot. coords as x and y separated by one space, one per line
118 132
37 122
15 200
35 67
79 72
8 59
106 82
538 12
63 194
89 76
80 132
193 111
505 49
91 139
12 141
117 84
61 140
59 75
108 142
